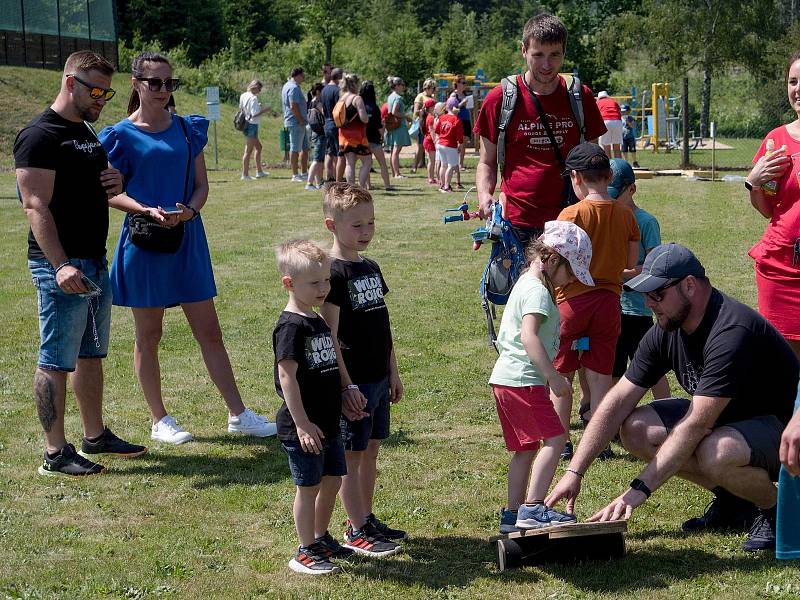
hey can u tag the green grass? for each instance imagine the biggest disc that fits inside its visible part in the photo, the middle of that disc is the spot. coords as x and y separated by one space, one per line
213 518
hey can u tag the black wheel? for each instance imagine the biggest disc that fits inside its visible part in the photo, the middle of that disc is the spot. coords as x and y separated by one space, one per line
509 554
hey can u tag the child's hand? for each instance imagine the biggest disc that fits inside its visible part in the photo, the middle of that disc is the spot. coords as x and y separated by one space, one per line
396 388
310 437
560 386
354 401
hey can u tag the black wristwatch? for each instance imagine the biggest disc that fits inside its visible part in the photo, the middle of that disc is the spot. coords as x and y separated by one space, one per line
641 486
750 187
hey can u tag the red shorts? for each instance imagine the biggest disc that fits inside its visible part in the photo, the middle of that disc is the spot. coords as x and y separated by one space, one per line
595 315
527 416
778 285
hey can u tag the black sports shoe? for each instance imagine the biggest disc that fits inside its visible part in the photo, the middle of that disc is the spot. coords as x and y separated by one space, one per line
108 443
69 462
332 548
762 534
369 541
386 531
566 454
725 511
312 561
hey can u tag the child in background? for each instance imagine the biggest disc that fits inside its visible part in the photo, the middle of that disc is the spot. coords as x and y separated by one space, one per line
450 134
438 111
533 400
359 320
426 126
314 181
628 135
307 379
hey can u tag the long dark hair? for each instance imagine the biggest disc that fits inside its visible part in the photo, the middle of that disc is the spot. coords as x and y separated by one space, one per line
137 70
367 92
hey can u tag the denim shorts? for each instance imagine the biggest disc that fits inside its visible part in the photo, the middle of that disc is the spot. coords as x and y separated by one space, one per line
357 434
251 130
317 147
308 468
331 139
298 138
70 326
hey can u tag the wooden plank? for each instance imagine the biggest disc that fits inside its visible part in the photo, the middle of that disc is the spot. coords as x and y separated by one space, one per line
572 530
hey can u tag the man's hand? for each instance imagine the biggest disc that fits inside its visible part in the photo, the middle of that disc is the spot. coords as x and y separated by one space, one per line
310 437
569 486
620 508
112 181
790 446
396 389
560 385
70 280
353 403
485 202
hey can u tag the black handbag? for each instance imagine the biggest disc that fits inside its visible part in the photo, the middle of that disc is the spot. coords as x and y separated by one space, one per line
147 233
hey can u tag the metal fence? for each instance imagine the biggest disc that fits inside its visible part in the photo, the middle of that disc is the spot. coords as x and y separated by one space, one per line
43 33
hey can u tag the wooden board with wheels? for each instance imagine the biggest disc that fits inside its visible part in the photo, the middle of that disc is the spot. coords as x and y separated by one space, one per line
561 543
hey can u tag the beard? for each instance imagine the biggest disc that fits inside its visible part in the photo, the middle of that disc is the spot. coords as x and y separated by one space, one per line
673 322
88 113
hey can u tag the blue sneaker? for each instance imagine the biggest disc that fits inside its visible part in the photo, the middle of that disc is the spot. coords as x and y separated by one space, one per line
508 521
538 515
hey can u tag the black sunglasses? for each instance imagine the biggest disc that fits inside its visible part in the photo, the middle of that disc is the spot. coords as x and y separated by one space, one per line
154 84
658 295
95 91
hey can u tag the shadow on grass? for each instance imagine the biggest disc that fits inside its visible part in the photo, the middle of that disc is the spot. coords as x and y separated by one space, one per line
399 437
208 471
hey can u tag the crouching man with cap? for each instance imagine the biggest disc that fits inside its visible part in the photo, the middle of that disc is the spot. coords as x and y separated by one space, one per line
741 377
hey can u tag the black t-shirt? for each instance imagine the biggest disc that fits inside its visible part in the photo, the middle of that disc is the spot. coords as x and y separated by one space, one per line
308 341
79 203
374 123
734 353
365 338
329 97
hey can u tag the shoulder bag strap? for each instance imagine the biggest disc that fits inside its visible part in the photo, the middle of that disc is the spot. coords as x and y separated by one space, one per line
188 158
509 102
574 91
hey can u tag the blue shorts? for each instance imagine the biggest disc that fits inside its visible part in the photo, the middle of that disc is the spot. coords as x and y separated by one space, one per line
629 144
317 147
331 139
357 434
298 138
70 326
308 468
251 130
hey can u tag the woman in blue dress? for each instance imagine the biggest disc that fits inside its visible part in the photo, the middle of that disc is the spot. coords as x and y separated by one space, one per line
151 149
398 138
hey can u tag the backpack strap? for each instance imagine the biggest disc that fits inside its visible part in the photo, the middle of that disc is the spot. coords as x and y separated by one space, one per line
574 90
509 103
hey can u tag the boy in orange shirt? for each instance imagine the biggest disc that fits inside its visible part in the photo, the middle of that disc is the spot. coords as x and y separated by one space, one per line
594 312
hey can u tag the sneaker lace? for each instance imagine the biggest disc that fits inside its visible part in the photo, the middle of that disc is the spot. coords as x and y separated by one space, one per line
761 527
170 425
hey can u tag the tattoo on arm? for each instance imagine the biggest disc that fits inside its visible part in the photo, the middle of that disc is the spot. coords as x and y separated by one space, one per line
45 401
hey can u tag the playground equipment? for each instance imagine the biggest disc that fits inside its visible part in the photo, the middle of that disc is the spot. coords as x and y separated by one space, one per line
661 120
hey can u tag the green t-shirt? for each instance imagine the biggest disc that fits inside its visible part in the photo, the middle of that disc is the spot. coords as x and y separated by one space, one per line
513 367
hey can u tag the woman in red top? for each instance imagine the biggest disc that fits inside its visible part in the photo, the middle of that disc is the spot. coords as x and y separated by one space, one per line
775 193
611 140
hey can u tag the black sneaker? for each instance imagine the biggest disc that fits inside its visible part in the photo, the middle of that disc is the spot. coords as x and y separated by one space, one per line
312 561
369 541
762 534
606 454
108 443
386 531
724 512
332 548
568 451
636 165
68 462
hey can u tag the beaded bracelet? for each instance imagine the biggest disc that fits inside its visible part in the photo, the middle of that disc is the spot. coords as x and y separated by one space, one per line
575 472
61 266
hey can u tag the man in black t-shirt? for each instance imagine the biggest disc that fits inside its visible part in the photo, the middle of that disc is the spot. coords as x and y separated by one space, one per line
742 377
328 99
64 182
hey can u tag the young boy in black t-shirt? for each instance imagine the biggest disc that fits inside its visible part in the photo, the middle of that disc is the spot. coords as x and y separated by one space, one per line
359 320
307 378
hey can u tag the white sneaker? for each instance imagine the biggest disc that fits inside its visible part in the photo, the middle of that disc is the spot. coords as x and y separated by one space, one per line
249 423
246 178
168 431
299 178
310 187
261 174
304 175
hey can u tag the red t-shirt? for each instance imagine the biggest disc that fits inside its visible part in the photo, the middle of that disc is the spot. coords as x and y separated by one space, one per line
609 109
450 131
776 245
532 183
427 141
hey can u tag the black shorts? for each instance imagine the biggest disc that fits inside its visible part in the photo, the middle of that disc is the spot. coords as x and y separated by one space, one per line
331 140
762 433
633 329
466 124
629 144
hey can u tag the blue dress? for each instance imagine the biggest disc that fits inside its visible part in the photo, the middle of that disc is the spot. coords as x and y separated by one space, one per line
154 165
399 136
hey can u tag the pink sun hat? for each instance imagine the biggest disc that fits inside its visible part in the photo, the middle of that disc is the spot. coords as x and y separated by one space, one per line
573 243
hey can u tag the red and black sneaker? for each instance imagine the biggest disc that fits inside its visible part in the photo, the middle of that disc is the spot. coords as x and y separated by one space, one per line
332 548
312 561
369 541
389 533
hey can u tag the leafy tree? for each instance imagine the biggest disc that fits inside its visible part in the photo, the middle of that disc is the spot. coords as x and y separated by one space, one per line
328 20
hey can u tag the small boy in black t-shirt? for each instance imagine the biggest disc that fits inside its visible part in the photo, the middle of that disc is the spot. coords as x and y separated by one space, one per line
307 378
358 317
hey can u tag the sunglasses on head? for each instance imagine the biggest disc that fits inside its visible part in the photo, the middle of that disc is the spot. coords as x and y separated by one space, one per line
658 295
95 91
154 84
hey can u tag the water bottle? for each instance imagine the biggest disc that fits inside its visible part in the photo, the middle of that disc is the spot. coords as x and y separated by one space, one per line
771 187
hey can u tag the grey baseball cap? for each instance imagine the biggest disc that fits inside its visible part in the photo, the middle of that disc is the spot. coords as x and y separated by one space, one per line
664 264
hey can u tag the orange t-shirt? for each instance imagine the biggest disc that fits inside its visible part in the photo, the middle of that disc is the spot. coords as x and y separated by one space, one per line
611 227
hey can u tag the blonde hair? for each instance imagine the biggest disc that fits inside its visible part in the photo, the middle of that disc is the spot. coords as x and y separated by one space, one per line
254 84
437 109
341 197
298 256
349 83
429 83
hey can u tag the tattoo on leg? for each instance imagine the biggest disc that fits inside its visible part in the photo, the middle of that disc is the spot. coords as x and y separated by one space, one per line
45 401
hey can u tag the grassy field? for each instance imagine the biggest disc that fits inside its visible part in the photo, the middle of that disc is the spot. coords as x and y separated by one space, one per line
213 518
